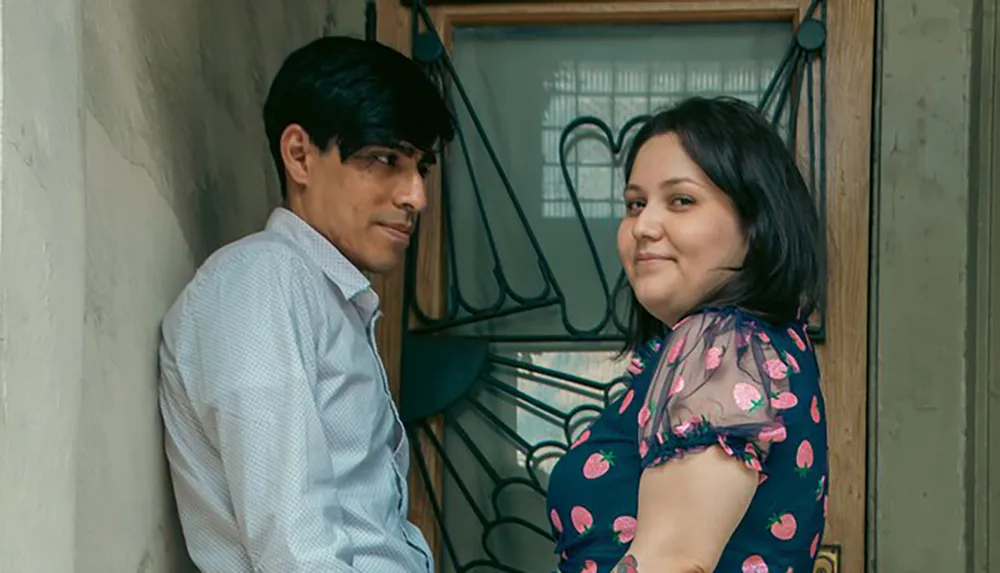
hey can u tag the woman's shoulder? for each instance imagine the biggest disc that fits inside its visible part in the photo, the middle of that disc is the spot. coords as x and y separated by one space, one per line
708 329
734 320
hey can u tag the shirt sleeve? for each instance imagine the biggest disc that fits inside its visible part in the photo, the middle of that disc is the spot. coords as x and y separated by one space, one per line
721 382
256 346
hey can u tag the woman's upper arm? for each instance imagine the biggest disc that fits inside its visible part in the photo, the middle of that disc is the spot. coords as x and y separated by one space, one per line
688 509
712 411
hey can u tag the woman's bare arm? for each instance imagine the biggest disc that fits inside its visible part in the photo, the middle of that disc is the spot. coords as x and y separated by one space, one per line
688 509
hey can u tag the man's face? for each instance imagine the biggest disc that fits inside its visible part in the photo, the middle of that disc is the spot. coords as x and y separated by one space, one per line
366 205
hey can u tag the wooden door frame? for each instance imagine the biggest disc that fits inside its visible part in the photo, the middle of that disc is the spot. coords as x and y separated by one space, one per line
850 61
983 344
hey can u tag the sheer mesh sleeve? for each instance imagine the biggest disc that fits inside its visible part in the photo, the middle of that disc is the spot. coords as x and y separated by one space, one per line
719 381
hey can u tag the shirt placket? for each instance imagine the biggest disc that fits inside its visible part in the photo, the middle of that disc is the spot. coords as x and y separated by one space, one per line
400 478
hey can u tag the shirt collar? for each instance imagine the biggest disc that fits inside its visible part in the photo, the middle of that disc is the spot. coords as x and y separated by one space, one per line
341 272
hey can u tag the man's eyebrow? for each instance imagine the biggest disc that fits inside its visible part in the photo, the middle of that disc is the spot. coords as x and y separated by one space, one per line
427 156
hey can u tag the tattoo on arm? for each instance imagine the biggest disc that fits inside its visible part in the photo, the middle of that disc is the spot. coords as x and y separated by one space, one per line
628 564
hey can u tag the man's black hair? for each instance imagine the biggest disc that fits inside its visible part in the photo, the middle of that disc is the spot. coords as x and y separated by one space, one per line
354 93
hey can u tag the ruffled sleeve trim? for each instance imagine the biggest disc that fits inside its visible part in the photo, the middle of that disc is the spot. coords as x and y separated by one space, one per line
719 382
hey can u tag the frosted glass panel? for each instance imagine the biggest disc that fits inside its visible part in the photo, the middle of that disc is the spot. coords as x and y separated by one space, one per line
613 73
526 84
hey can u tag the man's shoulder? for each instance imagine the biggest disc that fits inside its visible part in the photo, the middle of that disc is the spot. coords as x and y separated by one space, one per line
263 262
262 252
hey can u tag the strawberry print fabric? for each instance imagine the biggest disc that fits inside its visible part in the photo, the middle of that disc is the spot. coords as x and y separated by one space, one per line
720 378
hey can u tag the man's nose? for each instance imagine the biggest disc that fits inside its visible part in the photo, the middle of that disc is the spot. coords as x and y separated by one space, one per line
413 197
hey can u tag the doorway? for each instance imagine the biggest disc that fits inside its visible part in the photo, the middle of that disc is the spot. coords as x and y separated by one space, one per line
535 87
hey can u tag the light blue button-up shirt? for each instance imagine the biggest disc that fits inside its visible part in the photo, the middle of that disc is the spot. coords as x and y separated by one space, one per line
286 451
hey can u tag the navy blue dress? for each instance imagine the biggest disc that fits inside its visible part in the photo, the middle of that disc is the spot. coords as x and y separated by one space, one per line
721 377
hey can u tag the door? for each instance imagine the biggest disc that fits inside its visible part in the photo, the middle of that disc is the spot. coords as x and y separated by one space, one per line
503 328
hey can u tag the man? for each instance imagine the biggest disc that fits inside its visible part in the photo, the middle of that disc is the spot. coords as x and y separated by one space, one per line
286 452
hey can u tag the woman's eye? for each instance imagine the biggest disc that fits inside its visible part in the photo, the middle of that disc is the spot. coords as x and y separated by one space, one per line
682 201
633 207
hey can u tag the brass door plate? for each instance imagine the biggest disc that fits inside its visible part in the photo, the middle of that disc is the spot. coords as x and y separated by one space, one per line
827 559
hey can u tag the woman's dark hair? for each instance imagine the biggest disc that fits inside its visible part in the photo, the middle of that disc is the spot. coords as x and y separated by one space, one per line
782 277
355 93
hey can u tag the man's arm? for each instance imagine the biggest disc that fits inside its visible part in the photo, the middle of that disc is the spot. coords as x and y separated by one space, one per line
256 367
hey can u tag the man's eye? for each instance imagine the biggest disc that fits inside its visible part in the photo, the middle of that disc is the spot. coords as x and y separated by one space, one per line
386 158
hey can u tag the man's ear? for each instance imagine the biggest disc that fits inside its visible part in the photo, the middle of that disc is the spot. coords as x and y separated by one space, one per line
295 149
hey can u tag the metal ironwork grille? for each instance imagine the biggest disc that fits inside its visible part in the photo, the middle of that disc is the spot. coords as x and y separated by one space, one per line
516 374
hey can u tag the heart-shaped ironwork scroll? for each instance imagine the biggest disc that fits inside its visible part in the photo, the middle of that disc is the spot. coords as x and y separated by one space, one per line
508 302
615 144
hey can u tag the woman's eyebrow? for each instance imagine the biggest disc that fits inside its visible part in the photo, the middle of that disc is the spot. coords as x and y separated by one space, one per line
665 184
675 181
632 187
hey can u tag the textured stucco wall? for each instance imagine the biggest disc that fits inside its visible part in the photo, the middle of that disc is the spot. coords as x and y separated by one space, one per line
41 284
920 321
132 148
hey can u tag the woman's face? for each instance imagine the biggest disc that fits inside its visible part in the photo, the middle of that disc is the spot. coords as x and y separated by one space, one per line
680 237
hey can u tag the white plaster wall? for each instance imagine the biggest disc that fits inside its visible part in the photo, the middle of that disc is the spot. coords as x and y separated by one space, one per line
41 284
132 146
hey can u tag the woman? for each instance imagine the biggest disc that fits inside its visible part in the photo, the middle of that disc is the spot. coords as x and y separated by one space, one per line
715 459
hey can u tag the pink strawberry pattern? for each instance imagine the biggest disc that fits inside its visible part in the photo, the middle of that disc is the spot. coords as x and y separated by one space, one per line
773 434
784 400
783 526
583 438
722 379
684 428
624 528
804 458
792 363
582 519
776 369
675 350
747 397
644 414
636 366
677 387
713 358
626 401
798 341
754 564
597 465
